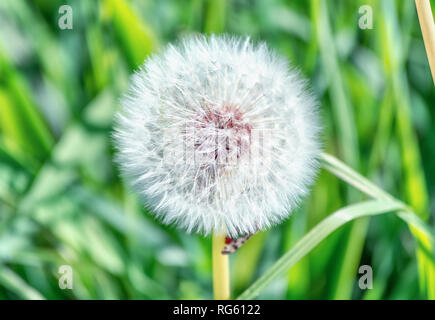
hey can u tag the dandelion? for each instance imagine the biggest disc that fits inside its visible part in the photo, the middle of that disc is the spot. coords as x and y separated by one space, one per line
218 135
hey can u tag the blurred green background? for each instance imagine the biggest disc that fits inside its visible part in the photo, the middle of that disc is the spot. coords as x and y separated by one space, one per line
63 203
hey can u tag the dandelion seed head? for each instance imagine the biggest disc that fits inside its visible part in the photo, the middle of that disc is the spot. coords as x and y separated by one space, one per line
218 134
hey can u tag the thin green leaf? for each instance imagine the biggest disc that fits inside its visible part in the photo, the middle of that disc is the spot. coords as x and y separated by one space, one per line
352 177
20 119
423 234
135 36
316 235
14 283
384 203
215 16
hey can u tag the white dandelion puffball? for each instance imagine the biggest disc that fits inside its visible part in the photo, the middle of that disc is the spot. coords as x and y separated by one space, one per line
217 134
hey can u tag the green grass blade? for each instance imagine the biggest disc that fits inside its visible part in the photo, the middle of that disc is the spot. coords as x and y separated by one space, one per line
418 228
135 37
348 175
394 45
383 203
342 111
351 177
318 234
17 285
20 119
215 16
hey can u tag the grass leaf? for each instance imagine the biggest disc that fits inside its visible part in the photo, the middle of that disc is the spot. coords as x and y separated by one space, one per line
383 203
14 283
135 37
316 235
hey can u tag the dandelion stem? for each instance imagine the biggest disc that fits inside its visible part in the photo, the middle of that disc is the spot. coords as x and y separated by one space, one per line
221 272
428 30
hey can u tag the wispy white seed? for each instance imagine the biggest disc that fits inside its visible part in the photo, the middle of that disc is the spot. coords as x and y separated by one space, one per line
217 134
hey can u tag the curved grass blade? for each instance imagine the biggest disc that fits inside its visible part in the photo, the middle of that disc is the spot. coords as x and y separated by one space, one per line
423 234
383 203
318 234
342 171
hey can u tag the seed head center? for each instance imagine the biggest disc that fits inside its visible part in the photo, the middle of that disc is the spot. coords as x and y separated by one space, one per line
224 136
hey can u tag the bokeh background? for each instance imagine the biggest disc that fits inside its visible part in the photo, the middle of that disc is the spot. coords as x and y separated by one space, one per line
62 201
